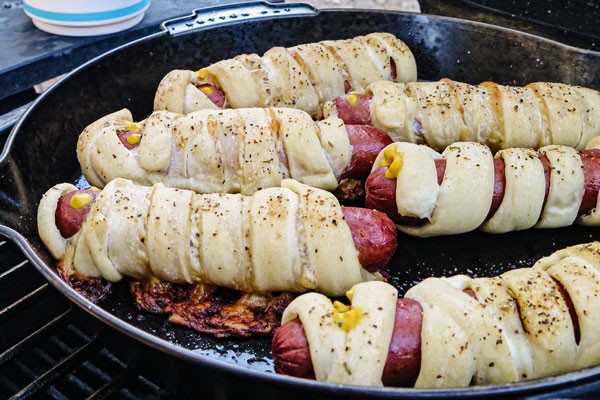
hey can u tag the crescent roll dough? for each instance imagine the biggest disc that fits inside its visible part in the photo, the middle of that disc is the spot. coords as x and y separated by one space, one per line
217 151
463 200
354 353
517 326
513 327
303 77
441 113
279 239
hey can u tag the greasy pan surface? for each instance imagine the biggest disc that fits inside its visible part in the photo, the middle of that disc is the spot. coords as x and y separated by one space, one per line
43 154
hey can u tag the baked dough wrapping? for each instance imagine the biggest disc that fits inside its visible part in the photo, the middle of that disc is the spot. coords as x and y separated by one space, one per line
517 326
303 77
513 327
292 238
217 151
353 354
463 200
441 113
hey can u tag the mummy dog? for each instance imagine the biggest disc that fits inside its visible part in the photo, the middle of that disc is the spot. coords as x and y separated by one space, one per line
451 332
464 188
303 77
441 113
227 151
226 240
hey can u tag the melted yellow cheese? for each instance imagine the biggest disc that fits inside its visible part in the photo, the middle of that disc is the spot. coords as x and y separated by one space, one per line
394 160
202 73
350 294
346 317
80 200
134 138
352 99
131 126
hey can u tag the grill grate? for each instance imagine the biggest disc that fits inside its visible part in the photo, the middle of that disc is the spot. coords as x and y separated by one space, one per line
48 349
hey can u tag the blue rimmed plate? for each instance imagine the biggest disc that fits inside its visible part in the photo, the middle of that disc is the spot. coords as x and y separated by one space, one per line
85 18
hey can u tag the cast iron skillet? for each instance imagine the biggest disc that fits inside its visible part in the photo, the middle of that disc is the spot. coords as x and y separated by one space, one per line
40 152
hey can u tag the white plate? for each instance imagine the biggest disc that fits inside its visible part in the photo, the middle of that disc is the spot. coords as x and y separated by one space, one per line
85 18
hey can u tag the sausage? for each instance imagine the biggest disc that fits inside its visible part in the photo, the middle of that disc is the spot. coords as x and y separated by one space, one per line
499 185
291 354
381 191
129 138
393 70
591 172
214 94
70 215
366 142
303 77
546 166
354 109
381 195
374 234
404 358
217 96
443 112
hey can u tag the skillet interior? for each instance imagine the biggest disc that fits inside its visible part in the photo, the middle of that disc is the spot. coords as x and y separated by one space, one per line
43 150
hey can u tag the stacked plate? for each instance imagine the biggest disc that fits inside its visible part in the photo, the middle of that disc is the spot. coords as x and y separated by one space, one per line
85 18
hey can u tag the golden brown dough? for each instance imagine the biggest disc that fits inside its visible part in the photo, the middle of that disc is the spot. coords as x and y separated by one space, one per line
462 201
348 347
441 113
225 240
514 327
531 334
217 151
303 77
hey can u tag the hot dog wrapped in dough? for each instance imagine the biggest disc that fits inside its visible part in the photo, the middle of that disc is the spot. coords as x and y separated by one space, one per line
465 187
441 113
524 324
348 344
303 77
227 151
292 238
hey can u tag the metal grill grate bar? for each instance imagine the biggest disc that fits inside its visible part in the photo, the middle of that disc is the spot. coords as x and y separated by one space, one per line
74 383
13 269
94 370
112 387
59 369
56 395
58 322
23 302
